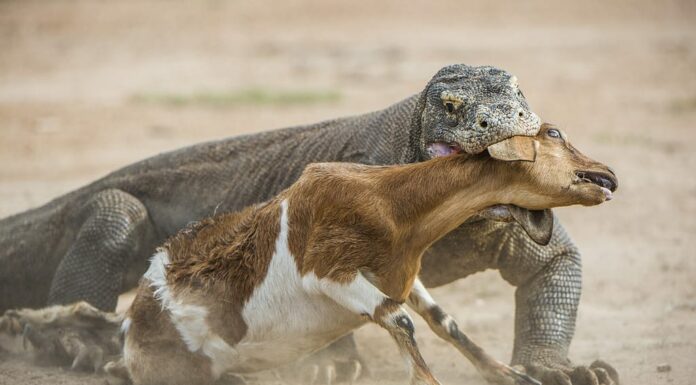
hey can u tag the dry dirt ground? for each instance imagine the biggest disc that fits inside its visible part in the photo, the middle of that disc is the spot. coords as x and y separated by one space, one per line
87 87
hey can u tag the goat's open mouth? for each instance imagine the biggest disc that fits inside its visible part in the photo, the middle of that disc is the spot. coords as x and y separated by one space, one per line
605 181
438 149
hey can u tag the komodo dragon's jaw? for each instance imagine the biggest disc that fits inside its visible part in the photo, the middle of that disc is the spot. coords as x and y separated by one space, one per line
467 109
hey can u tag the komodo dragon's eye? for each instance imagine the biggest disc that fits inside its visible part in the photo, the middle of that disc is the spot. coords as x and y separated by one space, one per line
451 102
554 133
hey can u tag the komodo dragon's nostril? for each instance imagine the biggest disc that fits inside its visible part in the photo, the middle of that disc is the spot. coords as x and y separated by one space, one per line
520 114
484 124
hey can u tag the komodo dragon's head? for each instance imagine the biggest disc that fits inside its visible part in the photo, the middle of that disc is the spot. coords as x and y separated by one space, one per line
467 109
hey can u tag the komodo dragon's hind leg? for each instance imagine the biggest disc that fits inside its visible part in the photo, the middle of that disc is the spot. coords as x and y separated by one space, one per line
115 230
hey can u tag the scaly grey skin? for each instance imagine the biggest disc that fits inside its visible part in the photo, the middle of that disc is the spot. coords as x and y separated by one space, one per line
93 243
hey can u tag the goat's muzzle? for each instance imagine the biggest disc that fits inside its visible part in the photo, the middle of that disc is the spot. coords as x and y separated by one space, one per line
606 180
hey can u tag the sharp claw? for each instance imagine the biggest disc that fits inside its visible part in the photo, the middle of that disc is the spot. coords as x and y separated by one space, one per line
560 378
328 375
603 376
97 360
32 337
81 358
25 332
357 370
613 374
582 375
598 373
549 376
11 323
15 326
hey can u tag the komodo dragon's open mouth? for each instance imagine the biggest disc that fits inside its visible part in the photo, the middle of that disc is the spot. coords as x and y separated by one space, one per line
438 149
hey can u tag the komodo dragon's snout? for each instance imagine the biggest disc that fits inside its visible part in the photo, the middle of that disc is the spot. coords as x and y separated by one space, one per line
465 109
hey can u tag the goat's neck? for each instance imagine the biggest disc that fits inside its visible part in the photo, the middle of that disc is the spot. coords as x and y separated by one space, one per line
429 199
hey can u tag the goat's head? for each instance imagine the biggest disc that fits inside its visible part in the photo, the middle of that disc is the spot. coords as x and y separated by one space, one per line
466 109
547 171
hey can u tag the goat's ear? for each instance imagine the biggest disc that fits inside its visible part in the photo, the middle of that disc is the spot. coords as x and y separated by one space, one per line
515 148
537 223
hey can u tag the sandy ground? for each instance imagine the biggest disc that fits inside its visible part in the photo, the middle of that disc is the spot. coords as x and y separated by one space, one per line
84 85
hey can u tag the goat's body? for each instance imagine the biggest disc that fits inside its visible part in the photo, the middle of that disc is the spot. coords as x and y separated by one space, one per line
254 290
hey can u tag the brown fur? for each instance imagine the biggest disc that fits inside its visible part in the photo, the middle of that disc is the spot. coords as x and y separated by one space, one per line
225 258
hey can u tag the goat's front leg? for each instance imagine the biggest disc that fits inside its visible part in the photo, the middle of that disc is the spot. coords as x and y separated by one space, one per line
444 326
363 298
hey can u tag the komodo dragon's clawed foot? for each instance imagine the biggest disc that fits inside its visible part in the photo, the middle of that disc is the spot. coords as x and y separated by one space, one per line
598 373
78 335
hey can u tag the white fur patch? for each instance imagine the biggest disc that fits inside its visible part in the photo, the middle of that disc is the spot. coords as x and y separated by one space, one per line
288 316
447 322
189 319
425 300
359 296
125 325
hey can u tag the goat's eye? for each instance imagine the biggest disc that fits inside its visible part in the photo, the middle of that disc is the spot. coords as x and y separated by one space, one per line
554 133
450 107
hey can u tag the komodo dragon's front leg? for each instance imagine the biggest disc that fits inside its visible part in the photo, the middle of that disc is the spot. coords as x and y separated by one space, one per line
114 233
548 280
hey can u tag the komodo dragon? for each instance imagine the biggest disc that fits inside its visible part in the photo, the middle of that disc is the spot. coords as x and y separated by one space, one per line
93 243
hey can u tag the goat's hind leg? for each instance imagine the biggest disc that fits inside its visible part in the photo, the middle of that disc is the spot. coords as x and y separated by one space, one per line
363 298
444 326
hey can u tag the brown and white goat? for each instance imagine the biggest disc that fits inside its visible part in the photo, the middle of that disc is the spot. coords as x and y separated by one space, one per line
342 246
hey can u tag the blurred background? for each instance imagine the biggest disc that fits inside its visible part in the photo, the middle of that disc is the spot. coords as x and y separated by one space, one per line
89 86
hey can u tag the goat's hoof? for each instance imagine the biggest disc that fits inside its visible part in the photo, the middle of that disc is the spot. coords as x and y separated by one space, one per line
599 372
